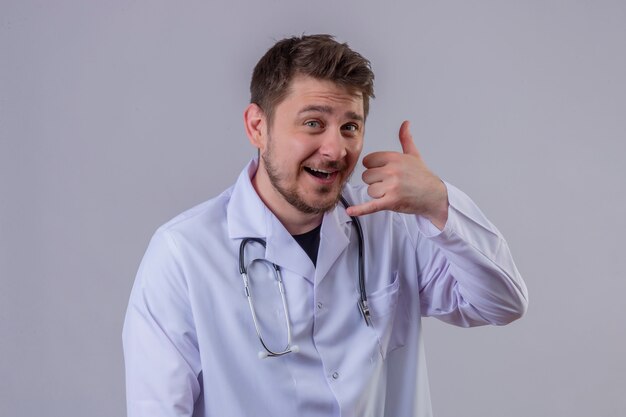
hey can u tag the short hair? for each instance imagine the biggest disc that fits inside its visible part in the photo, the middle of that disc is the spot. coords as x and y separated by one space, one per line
317 56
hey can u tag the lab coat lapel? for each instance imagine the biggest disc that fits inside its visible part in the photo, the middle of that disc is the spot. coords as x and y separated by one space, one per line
249 217
334 240
283 250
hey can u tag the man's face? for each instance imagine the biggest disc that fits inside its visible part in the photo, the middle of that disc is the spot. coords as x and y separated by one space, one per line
312 146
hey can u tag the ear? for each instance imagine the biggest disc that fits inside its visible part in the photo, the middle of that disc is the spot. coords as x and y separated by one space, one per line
256 125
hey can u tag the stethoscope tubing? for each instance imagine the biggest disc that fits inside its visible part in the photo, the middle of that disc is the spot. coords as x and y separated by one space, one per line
363 306
246 282
362 303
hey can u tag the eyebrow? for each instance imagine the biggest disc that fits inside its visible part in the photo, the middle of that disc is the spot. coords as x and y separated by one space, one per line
329 110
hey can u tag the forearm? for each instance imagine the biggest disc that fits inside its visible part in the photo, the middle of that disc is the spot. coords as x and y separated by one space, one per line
470 277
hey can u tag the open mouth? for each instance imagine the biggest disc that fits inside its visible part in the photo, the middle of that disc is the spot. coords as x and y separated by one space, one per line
320 173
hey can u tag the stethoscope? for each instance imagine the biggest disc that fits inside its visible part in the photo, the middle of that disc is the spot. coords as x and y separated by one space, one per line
362 303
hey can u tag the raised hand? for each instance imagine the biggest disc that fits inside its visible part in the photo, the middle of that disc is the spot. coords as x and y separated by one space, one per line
402 182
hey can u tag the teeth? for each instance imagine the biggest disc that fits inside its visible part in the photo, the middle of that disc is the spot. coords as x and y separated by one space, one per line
320 171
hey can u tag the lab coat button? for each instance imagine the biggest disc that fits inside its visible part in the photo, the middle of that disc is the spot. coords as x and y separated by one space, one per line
320 305
335 375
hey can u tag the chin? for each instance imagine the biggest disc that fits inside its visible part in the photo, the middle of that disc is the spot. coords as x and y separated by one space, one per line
315 204
326 204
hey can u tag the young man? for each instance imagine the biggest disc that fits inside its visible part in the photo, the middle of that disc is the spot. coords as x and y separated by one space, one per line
344 336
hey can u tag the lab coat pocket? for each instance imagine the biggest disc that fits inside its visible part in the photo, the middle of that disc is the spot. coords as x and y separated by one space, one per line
388 319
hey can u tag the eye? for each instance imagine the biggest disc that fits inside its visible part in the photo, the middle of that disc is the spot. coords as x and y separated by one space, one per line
351 127
313 123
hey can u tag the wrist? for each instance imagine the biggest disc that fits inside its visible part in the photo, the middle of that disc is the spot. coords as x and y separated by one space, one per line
438 214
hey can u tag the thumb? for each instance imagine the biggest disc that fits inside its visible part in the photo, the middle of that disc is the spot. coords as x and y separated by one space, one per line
406 140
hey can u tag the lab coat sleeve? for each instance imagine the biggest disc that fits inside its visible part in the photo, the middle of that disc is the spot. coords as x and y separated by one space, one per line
160 344
466 272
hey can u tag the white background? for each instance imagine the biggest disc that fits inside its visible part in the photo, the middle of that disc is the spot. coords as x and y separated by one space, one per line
117 115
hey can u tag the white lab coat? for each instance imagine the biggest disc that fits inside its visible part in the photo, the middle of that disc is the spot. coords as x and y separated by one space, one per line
191 348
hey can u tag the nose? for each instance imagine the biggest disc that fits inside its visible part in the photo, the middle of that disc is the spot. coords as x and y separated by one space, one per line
333 145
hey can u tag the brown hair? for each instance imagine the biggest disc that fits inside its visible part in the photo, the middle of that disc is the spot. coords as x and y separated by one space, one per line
318 56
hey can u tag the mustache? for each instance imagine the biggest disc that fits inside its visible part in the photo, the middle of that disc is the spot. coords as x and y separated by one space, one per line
329 165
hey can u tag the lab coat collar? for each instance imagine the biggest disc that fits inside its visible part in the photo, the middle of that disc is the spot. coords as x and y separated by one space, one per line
245 211
249 217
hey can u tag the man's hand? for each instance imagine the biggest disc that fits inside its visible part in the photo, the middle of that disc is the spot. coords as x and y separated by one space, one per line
402 182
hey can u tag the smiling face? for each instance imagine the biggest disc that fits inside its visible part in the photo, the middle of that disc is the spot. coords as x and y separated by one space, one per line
310 149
